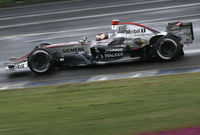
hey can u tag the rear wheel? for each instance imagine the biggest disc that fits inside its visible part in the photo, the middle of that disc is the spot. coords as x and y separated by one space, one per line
40 61
168 48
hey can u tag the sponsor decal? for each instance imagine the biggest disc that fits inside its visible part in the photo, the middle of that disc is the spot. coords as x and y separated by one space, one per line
143 30
113 55
20 66
73 50
184 34
114 49
137 31
16 66
144 34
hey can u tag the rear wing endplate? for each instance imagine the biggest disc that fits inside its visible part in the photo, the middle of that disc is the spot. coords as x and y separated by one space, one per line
182 30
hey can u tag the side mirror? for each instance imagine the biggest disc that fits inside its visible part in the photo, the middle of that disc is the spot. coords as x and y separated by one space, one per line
83 40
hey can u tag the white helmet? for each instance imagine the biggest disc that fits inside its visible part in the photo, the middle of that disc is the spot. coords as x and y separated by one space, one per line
101 36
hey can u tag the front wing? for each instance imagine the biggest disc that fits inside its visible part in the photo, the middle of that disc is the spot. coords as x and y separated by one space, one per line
11 66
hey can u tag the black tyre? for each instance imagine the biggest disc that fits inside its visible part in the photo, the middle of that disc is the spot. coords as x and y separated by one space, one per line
40 61
168 48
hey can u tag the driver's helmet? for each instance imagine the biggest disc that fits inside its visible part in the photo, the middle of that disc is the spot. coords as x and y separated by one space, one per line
101 36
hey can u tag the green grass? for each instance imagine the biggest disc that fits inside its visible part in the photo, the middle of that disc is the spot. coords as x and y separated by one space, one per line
118 107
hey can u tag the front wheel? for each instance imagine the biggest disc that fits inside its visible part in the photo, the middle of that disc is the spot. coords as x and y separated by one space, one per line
168 48
40 61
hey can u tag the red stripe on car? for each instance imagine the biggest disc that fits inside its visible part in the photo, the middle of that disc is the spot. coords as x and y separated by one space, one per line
57 46
21 57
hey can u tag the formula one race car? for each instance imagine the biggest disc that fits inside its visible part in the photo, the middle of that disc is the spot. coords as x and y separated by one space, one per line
127 42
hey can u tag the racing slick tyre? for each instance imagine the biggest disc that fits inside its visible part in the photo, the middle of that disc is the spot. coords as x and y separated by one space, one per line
40 61
168 48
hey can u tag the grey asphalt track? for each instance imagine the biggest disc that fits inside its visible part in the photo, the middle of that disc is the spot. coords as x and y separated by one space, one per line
22 28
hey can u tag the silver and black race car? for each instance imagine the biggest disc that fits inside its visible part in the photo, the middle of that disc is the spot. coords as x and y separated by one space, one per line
128 42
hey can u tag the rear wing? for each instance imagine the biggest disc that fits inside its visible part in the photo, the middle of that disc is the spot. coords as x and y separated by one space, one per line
182 30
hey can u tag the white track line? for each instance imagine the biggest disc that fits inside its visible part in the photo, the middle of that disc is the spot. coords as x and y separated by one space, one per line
54 37
100 15
54 32
103 79
13 85
192 51
136 75
170 18
36 5
164 20
78 10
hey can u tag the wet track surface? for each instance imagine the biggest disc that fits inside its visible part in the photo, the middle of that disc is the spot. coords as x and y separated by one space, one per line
22 28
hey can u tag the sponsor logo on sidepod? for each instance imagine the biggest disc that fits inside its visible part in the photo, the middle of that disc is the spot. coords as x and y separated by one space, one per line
71 50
